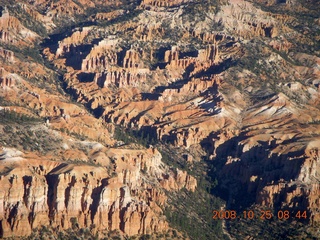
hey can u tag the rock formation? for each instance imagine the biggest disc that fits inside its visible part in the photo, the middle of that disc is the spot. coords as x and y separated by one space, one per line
233 82
62 194
100 57
162 3
120 79
247 24
67 44
13 32
7 55
6 79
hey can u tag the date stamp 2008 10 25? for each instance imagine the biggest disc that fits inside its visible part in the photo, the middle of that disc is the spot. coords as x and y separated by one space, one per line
261 214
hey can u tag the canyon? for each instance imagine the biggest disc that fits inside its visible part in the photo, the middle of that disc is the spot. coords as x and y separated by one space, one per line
125 100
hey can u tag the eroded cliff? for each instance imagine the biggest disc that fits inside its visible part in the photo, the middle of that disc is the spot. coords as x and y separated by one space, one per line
233 82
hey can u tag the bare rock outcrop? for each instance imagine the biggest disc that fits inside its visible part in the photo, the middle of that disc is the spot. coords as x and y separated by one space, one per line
149 31
247 24
101 57
45 20
7 55
179 180
205 59
108 16
120 78
115 197
6 79
64 7
162 3
226 79
69 43
282 45
13 32
132 59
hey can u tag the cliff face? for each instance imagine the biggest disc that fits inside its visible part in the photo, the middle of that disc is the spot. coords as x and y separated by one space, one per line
76 183
248 25
38 192
6 79
165 3
191 102
234 82
295 192
101 56
13 32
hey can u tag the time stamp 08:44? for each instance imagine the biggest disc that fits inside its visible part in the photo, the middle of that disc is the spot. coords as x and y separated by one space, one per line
261 214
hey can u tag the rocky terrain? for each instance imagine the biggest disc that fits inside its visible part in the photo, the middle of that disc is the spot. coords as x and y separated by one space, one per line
113 112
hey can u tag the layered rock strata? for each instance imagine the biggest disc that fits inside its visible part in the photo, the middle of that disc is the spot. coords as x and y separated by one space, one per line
114 197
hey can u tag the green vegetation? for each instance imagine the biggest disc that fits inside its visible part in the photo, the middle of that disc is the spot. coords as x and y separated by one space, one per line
24 52
26 19
6 170
314 122
272 229
70 234
199 8
133 13
191 213
7 117
32 52
133 136
188 212
172 35
197 11
303 21
4 102
78 136
27 135
121 135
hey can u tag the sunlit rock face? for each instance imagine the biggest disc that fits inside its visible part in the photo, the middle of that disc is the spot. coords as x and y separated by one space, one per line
236 82
12 30
39 192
